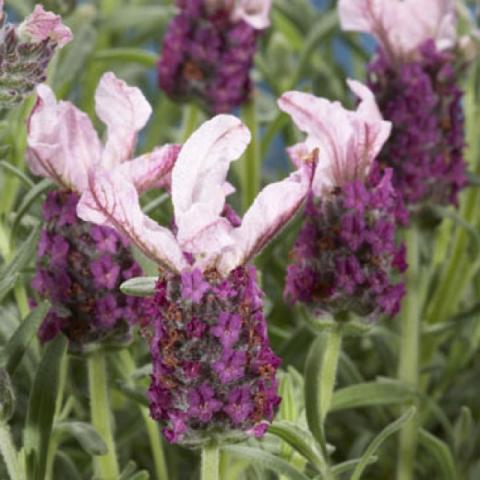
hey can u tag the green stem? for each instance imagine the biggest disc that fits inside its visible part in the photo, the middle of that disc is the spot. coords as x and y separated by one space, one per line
250 174
151 425
210 463
408 370
106 466
190 121
9 454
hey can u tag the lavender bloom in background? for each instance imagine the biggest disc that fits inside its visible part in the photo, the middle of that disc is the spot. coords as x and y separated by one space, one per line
208 51
213 368
25 52
414 78
80 266
346 251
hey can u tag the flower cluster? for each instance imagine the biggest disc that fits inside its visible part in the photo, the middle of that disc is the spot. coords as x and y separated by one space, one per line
214 371
26 51
415 81
80 267
207 55
346 253
422 99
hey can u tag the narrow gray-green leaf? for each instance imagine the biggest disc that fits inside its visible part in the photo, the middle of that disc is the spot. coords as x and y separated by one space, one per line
41 408
440 453
17 172
85 434
371 394
344 467
39 189
131 55
139 286
23 255
6 284
266 460
378 440
301 441
18 344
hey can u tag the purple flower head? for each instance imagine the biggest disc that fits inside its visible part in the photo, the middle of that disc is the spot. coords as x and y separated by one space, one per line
222 382
425 107
348 238
208 50
80 279
80 266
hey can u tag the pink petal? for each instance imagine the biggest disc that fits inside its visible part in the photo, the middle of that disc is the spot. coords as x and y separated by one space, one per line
346 141
62 143
40 25
113 201
274 206
125 111
152 170
254 12
401 26
298 153
369 114
198 184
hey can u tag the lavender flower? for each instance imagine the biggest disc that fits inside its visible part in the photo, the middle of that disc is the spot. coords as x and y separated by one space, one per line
415 81
213 368
346 252
80 266
215 381
208 51
26 51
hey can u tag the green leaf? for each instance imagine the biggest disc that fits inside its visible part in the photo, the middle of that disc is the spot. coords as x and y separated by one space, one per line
283 24
322 29
265 460
463 431
440 453
41 408
17 172
139 286
6 284
371 394
320 375
32 195
130 55
85 434
133 393
378 440
144 17
9 273
301 441
12 354
344 467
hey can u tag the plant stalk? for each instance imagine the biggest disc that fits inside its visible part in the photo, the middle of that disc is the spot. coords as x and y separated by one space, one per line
106 466
408 370
9 454
210 463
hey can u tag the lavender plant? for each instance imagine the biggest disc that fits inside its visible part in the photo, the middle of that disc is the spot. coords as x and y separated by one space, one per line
309 313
